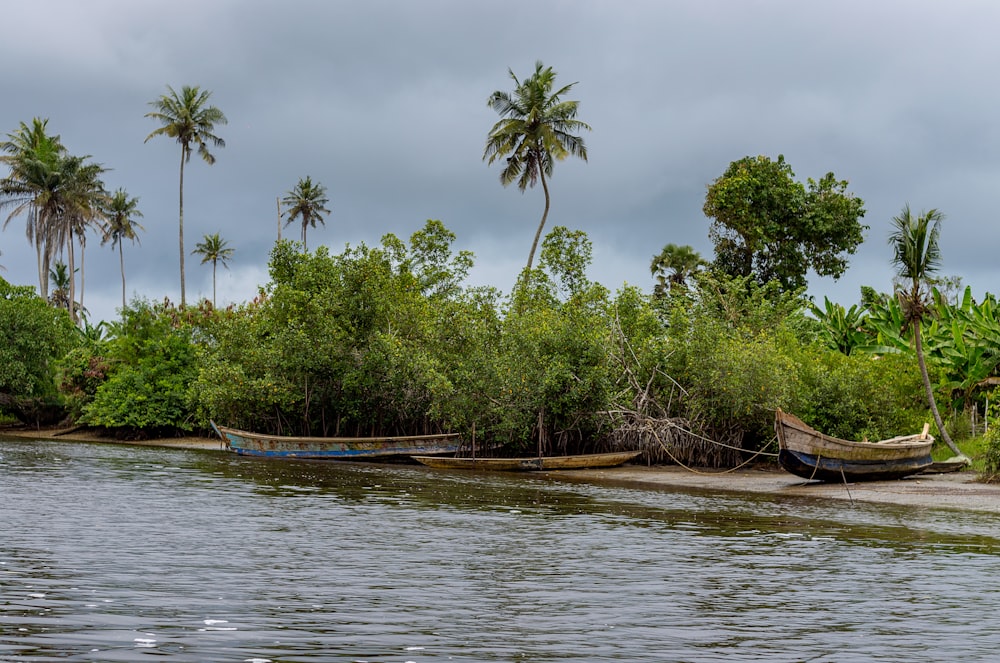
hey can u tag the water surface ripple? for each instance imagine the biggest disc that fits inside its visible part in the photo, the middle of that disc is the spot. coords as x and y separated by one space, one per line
116 553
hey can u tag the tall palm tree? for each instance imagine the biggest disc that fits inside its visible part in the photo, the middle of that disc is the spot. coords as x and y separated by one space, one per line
79 199
673 266
121 214
917 256
190 120
214 249
61 193
33 157
308 201
537 130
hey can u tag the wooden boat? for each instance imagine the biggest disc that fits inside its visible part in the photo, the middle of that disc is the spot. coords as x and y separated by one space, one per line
813 455
536 463
336 448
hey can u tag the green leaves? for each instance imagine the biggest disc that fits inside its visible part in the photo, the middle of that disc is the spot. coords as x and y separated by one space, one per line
842 329
33 335
770 227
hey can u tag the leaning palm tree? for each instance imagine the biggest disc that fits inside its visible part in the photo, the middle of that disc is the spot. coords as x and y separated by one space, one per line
189 119
121 214
917 256
537 130
306 201
213 249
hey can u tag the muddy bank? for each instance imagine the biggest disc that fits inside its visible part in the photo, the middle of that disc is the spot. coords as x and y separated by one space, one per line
958 490
83 435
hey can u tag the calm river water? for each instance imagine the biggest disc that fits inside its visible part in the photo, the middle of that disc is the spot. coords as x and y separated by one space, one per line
115 553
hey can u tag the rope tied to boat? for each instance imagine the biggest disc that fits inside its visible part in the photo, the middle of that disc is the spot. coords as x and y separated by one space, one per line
666 450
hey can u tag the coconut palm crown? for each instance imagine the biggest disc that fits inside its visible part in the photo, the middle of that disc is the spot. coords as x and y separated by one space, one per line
214 249
307 201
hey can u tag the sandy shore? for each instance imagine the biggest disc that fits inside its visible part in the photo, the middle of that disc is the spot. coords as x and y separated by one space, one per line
957 490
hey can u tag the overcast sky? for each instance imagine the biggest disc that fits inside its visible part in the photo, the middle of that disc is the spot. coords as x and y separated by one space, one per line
384 103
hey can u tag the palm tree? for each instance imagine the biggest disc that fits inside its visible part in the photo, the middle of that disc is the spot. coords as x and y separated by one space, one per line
535 132
213 249
33 157
306 200
121 214
61 280
917 256
190 120
673 266
77 202
61 194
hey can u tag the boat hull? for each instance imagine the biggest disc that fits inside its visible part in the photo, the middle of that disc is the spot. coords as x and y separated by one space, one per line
535 464
246 443
811 466
812 455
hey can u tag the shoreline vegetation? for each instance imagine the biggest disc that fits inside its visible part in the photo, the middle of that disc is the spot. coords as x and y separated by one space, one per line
957 491
392 339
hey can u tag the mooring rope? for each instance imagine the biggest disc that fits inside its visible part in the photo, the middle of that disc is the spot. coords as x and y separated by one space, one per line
694 471
715 442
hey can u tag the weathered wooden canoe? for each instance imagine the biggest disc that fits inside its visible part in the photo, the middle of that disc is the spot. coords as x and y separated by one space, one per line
535 463
813 455
336 448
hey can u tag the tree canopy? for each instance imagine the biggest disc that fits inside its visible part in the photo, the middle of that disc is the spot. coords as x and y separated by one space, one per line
768 226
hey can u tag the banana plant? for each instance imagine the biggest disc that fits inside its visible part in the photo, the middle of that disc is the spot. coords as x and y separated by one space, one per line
843 329
966 345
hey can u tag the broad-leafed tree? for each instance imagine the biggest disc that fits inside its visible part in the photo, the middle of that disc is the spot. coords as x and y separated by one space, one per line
772 228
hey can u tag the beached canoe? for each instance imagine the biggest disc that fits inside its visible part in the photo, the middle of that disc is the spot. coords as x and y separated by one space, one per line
812 455
336 448
536 463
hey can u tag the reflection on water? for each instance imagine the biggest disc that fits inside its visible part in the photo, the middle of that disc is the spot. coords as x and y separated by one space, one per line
112 553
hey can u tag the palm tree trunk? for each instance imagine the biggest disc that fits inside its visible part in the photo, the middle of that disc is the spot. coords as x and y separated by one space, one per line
121 263
72 278
43 281
213 282
305 224
180 223
83 269
545 214
929 390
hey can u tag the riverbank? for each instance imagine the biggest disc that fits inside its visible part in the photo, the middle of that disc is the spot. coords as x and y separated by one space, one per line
77 434
956 490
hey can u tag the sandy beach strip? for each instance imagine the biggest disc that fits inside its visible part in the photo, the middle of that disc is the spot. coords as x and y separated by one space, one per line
956 490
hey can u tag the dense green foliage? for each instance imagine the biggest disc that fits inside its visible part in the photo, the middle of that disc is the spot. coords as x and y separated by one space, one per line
33 336
769 226
388 340
149 365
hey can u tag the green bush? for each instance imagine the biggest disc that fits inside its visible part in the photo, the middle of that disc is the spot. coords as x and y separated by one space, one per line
152 363
859 396
991 447
33 336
